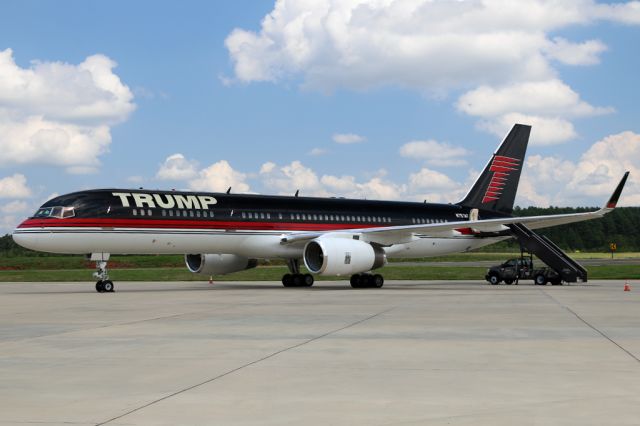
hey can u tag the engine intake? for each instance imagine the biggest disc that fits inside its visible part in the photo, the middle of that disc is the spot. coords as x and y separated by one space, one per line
218 264
342 256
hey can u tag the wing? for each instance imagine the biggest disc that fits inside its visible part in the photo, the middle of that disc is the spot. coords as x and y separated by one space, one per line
389 235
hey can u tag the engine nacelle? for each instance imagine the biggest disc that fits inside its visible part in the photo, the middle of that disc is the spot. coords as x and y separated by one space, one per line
342 256
218 264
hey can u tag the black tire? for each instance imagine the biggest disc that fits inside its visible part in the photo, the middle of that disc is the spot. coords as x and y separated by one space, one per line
307 280
556 281
494 279
108 286
508 282
99 287
357 281
298 280
287 280
378 281
540 279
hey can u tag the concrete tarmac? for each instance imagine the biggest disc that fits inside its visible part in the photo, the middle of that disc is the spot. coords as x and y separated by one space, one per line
234 353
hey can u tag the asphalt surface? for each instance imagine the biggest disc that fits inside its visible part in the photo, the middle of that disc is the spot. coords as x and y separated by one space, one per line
411 353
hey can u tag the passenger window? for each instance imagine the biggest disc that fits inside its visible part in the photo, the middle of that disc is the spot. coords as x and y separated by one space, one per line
135 212
244 215
141 212
198 213
171 213
164 212
149 212
268 215
280 216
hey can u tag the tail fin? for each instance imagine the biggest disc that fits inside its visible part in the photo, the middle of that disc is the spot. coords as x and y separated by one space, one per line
495 189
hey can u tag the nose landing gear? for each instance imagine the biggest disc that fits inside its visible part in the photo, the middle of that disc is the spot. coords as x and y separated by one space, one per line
104 284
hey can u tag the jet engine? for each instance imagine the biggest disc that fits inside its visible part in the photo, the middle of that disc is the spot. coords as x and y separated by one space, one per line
218 264
342 256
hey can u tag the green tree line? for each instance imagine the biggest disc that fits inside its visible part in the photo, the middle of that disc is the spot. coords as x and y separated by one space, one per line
620 226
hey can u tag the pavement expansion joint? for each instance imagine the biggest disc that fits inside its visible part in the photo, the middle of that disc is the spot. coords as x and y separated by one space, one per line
249 364
591 326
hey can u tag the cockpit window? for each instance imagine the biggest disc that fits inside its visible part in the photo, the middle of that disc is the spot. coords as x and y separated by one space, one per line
57 212
44 212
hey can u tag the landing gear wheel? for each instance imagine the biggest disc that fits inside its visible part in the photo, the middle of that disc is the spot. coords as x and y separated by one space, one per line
108 286
103 285
378 281
354 280
307 280
508 282
540 280
366 281
494 279
297 280
287 280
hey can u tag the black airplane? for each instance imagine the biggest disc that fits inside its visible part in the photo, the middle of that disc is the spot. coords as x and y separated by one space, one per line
220 233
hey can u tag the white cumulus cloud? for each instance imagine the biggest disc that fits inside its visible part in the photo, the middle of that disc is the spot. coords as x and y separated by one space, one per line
59 113
218 177
506 50
435 153
589 180
421 44
546 105
14 186
177 167
14 207
289 178
586 53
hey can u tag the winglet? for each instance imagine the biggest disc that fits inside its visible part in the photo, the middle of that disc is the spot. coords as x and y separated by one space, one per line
613 201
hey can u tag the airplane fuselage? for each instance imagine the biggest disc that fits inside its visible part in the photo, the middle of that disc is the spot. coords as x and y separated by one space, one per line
142 222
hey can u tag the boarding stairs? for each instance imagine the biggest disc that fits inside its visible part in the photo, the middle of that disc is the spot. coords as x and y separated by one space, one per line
549 253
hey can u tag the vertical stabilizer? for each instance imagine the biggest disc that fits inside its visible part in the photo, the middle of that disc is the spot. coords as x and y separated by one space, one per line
495 189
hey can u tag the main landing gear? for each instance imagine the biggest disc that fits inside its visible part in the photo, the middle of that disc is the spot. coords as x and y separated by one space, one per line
104 284
366 281
295 278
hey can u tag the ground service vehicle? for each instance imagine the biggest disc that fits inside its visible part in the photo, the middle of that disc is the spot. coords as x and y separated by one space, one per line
516 269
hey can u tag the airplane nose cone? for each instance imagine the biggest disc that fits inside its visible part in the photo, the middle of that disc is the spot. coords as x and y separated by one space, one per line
23 238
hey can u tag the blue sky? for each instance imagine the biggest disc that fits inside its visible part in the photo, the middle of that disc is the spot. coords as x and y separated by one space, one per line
207 95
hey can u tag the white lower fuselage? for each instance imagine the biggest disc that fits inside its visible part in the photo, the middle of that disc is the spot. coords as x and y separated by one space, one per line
250 243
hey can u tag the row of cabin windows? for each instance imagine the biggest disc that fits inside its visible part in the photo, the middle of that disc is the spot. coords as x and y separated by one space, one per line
172 213
340 218
320 217
426 221
262 215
